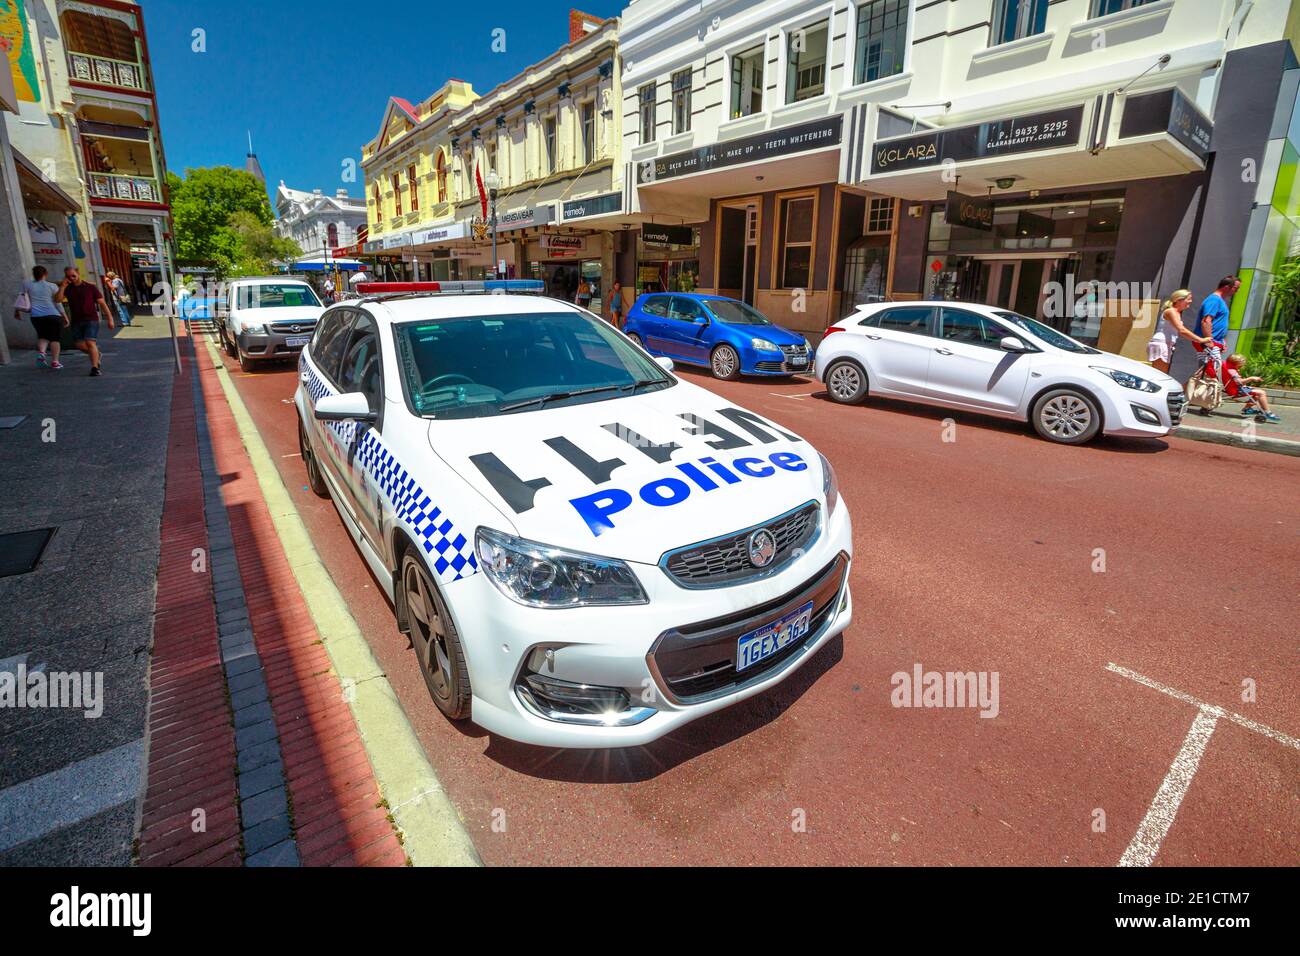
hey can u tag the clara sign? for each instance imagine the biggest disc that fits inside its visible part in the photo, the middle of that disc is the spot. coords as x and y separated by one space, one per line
973 212
1018 134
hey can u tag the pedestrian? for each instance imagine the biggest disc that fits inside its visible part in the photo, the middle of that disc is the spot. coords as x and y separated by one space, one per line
1213 322
616 305
1160 350
46 315
85 304
584 293
1238 388
117 291
329 289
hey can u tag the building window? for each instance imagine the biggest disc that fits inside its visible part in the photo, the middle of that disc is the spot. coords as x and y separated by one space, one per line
587 128
806 62
881 39
414 190
333 235
682 101
379 207
747 82
1101 8
548 138
492 156
880 215
442 179
646 96
1017 19
397 194
796 224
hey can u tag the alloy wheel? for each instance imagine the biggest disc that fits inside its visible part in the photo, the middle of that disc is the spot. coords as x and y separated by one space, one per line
1065 416
428 631
724 362
844 382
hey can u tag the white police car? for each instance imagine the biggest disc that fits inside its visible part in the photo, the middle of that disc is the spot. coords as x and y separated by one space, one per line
584 550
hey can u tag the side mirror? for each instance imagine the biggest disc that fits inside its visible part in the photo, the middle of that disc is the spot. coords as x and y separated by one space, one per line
664 362
1012 344
349 406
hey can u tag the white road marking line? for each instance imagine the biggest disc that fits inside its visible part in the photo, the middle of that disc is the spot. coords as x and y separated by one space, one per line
1164 807
296 454
798 398
1217 711
37 807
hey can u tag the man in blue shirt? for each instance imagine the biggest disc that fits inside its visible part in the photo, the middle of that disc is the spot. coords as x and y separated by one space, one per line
1213 321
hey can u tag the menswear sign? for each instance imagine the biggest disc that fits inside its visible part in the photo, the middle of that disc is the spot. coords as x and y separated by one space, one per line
1018 134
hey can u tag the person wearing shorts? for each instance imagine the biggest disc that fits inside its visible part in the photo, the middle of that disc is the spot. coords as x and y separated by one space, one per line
616 305
1213 322
85 304
1239 389
1160 350
47 317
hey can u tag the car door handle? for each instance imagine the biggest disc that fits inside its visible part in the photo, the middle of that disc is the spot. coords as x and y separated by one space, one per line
943 351
304 378
874 337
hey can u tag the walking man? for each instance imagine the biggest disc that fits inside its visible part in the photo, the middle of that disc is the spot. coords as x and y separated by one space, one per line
1213 321
85 303
117 289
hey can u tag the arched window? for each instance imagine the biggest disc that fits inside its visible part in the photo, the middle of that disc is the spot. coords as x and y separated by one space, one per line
334 236
442 180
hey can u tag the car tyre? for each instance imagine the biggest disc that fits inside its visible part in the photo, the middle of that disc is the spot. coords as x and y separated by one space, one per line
846 382
228 344
725 363
1066 416
635 340
315 480
245 363
436 641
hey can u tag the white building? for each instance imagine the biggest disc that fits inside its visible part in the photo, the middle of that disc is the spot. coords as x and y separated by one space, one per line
318 222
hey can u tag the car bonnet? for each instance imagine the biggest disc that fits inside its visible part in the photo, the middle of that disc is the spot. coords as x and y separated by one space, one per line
632 477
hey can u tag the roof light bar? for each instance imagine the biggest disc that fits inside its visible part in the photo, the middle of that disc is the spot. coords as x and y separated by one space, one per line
483 285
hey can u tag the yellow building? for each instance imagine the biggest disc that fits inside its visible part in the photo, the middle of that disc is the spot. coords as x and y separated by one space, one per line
408 183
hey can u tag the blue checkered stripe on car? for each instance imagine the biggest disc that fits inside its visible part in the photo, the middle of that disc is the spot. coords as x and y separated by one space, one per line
451 554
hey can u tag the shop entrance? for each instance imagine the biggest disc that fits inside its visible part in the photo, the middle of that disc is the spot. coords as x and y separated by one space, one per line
1015 284
738 227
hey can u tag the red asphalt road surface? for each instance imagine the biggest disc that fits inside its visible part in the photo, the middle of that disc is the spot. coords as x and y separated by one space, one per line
971 555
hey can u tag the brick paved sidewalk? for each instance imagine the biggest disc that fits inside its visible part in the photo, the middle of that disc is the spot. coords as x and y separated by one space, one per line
241 683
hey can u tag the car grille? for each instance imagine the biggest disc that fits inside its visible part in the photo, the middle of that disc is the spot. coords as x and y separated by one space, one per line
725 560
697 662
292 328
1177 403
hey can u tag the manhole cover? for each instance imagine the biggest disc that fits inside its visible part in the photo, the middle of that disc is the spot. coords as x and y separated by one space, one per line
21 550
12 421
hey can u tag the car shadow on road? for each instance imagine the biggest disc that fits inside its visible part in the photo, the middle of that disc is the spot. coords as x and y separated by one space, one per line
639 764
1112 443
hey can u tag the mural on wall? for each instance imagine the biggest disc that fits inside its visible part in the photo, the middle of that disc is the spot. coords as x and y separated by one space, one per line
16 42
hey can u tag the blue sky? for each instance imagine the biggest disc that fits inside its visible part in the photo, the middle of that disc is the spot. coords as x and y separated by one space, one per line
311 79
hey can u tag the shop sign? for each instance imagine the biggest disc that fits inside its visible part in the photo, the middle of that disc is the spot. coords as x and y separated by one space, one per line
397 241
564 242
667 235
592 206
973 212
455 230
775 144
1019 134
1168 111
519 218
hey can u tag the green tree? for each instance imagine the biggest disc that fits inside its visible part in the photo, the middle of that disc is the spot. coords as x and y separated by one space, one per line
257 248
203 203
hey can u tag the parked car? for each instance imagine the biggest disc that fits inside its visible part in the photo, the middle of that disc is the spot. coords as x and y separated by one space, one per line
267 317
990 360
585 550
725 335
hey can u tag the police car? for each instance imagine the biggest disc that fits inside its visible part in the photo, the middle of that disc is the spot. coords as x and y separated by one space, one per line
584 550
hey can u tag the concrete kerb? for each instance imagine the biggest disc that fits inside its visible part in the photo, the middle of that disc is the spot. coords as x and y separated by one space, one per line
433 833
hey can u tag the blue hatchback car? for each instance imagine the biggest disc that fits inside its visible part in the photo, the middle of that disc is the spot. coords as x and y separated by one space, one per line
724 335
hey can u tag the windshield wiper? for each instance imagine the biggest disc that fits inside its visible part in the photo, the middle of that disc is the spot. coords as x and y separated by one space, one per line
551 396
640 383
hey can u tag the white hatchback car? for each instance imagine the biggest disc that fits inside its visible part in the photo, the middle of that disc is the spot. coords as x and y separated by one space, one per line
585 550
984 359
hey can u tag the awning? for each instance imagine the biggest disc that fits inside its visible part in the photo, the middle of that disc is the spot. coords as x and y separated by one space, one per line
38 192
322 265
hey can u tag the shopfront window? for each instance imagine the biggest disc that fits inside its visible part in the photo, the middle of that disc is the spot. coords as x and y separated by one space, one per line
881 39
663 267
747 82
806 62
796 222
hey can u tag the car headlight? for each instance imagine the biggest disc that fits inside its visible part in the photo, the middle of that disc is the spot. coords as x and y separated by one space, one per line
1126 379
763 345
538 575
255 330
830 485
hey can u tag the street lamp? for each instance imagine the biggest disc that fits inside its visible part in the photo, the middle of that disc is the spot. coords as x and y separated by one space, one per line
493 184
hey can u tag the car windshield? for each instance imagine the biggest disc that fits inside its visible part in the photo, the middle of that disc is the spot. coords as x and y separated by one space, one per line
1046 333
735 313
478 366
276 295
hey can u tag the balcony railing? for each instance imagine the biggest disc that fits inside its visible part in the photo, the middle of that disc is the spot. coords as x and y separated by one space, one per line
117 186
101 69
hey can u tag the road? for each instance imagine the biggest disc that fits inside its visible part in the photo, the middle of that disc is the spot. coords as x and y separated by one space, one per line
1171 560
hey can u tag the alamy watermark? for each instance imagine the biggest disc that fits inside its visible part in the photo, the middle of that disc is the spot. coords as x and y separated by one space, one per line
922 688
36 689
